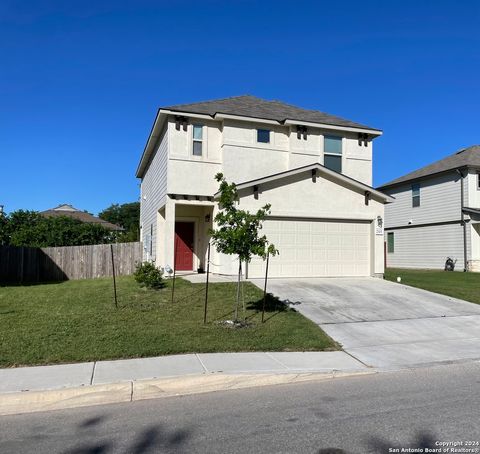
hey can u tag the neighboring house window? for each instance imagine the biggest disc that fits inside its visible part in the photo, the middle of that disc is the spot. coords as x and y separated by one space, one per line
478 180
332 153
151 242
263 136
415 195
197 140
390 242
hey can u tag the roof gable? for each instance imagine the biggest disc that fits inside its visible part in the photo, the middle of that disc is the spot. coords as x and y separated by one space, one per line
467 157
316 167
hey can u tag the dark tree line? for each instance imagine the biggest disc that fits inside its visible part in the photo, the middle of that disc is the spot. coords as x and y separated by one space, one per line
30 228
126 216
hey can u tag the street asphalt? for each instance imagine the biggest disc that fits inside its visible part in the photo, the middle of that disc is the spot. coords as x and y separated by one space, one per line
415 408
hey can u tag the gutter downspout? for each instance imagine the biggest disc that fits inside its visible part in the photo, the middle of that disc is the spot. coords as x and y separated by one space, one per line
464 224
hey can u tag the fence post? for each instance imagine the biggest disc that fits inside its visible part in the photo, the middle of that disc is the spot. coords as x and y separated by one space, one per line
113 272
174 267
265 290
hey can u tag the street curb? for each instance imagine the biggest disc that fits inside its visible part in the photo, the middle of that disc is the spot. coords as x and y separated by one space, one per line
131 391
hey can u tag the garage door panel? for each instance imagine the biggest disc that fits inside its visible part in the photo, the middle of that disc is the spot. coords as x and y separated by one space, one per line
333 227
348 256
348 241
287 238
319 240
318 227
316 248
287 226
318 255
303 239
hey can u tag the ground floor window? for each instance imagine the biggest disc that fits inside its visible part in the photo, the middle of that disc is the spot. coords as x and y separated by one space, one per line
390 242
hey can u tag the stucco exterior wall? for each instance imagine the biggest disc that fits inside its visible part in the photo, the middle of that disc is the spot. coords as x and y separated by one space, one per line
299 197
357 160
189 174
244 159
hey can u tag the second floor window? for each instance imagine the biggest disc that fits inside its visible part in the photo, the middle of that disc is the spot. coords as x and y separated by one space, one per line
263 136
197 140
332 153
415 195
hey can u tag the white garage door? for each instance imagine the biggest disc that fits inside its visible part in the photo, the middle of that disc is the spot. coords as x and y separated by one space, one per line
315 248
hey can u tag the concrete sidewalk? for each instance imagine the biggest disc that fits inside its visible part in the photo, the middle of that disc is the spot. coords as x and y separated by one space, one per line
39 388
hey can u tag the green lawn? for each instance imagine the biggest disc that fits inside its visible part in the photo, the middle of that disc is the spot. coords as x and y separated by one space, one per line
461 285
77 321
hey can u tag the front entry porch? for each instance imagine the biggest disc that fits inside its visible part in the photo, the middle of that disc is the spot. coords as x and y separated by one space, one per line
182 238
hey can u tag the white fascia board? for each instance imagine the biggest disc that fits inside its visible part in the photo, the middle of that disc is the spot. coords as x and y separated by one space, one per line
186 114
152 138
220 116
322 169
373 132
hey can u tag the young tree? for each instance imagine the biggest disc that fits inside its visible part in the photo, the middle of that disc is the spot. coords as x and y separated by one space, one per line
238 231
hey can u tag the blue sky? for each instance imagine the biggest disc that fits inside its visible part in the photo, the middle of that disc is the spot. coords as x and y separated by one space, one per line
80 82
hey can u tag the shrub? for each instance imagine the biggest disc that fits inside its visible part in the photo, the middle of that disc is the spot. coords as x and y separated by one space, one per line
148 275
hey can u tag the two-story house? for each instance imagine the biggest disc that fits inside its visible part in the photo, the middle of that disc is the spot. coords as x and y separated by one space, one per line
436 214
315 170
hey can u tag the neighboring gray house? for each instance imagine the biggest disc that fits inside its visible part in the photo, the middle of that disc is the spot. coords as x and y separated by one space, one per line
436 214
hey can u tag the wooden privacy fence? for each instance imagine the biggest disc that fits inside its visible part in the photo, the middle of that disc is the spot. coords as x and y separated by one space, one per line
30 265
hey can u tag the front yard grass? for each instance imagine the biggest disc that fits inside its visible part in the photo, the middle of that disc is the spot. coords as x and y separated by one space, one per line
465 286
77 321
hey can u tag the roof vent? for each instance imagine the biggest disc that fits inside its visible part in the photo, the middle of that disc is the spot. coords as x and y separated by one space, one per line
470 148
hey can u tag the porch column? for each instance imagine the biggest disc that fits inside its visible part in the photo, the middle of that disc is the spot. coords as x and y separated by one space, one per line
169 232
214 255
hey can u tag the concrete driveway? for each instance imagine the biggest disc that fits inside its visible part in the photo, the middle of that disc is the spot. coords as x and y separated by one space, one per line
385 324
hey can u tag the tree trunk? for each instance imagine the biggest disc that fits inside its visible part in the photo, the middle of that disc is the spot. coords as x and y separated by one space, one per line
238 288
243 301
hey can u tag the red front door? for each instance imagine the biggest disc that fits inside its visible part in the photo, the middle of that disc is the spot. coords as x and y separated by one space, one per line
184 246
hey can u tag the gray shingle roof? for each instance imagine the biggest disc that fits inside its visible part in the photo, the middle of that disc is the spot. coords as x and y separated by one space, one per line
251 106
467 157
71 212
